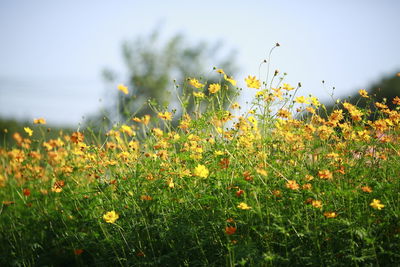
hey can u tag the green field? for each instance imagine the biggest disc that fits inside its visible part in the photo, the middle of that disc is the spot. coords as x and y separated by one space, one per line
282 183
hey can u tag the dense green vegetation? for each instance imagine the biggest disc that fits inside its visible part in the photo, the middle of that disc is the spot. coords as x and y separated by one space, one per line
256 187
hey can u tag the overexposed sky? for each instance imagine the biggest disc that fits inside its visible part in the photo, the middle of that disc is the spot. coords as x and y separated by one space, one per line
52 52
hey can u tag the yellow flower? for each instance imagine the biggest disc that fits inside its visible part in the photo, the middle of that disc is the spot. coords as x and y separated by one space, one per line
213 88
123 88
110 217
314 101
201 171
199 94
284 113
171 183
158 132
363 93
165 116
292 184
235 105
195 83
220 71
317 204
243 206
28 131
287 87
301 100
331 214
376 204
39 121
325 174
127 129
230 79
219 153
252 82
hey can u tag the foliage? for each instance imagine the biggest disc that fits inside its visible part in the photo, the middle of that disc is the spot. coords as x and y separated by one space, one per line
224 187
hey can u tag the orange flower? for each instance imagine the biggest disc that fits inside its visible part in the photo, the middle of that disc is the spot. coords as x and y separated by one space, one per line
146 197
78 251
330 214
291 184
366 189
317 204
230 230
307 186
26 192
325 174
239 193
277 193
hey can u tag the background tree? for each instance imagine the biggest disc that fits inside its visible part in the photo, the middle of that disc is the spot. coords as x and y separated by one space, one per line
153 66
387 88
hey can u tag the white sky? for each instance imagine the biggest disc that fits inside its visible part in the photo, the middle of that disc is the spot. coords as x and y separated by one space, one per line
52 52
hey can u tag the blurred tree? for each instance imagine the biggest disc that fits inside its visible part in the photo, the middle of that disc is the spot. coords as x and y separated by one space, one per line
152 68
384 90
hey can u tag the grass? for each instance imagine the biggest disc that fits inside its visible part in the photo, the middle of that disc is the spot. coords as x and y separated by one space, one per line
280 184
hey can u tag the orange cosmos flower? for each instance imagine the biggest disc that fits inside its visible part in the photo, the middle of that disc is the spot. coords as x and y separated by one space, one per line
330 214
230 230
325 174
316 204
291 184
366 189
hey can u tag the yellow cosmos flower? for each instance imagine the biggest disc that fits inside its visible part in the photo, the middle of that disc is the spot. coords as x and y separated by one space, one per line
110 217
39 121
201 171
376 204
220 71
331 214
123 88
363 93
219 153
199 94
195 83
252 82
301 100
243 206
230 79
235 105
165 116
28 131
214 88
127 129
287 87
